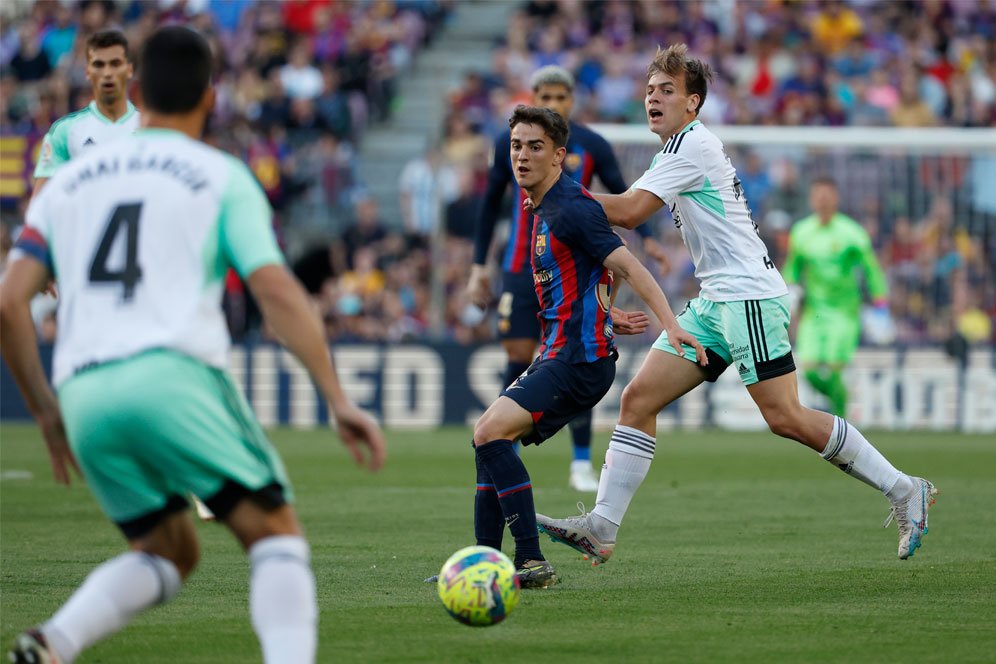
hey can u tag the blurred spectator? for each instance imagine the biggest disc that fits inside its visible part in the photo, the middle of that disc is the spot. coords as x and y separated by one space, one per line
835 26
427 185
911 110
31 63
299 78
367 231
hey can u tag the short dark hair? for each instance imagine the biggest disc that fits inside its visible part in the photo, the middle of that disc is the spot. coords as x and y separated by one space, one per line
554 125
106 39
175 70
673 61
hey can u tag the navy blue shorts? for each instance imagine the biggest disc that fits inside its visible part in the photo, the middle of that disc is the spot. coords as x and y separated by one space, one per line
518 307
556 392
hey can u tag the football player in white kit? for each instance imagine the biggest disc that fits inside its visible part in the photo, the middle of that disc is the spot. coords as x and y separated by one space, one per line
741 317
140 234
107 118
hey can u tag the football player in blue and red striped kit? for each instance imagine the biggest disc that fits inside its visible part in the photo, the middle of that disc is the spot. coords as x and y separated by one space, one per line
588 155
574 255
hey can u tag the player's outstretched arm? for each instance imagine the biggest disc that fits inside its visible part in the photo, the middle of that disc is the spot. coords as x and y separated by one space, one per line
24 278
631 209
625 265
286 308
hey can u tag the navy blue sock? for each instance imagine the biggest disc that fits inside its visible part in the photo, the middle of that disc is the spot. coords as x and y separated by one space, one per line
580 428
512 371
489 522
515 493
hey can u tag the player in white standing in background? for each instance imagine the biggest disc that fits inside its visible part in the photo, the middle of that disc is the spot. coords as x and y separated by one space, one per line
741 317
107 118
140 235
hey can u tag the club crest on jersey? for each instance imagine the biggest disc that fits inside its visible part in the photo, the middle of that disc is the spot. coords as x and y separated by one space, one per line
572 162
540 245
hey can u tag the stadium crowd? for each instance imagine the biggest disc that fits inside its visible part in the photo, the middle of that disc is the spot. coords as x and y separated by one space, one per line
299 83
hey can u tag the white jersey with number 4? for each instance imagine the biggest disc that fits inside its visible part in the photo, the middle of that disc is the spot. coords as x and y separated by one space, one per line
695 179
140 234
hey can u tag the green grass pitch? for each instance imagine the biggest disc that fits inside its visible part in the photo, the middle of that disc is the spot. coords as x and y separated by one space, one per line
739 547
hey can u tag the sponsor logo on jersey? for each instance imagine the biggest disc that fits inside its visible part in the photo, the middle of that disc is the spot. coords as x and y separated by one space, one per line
743 369
89 141
572 162
542 277
607 330
540 245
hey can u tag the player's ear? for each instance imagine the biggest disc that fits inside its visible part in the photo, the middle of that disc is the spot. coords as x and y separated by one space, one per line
693 103
559 155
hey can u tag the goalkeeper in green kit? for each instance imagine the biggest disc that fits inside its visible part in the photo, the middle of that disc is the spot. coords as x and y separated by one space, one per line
824 251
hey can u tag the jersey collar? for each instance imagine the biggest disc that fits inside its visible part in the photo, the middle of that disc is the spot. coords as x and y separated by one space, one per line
688 127
106 120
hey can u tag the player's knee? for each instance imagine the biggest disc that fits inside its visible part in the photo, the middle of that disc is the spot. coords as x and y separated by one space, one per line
184 553
784 423
485 430
634 403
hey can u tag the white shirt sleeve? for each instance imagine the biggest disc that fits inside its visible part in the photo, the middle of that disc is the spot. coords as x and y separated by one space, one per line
669 176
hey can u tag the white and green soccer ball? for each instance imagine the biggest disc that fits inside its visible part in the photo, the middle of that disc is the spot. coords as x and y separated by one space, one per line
478 586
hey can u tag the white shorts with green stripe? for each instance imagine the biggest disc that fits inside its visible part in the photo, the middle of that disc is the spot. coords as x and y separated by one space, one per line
752 335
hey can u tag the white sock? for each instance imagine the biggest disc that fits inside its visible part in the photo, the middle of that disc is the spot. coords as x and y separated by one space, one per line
107 601
282 599
851 452
627 462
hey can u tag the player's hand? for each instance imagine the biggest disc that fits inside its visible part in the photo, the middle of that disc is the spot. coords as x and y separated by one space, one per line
629 322
59 453
357 428
679 337
479 286
528 206
51 289
655 250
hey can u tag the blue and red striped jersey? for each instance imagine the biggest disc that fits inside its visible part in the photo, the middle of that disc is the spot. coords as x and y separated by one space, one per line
588 155
571 239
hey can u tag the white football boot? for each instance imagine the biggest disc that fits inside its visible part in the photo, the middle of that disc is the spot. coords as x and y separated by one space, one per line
910 514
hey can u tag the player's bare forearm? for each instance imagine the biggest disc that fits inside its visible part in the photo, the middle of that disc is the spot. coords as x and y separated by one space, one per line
23 279
630 209
286 308
625 266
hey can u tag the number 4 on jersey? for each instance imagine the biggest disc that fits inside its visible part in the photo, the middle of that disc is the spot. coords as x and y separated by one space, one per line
125 216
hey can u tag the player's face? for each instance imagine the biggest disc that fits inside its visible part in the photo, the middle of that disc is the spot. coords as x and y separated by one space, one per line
823 200
557 98
669 107
534 159
108 71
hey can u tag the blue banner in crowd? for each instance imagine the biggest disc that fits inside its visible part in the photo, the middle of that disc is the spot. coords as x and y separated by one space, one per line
428 385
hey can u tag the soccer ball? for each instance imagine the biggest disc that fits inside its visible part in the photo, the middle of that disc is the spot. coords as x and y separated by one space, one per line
478 586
